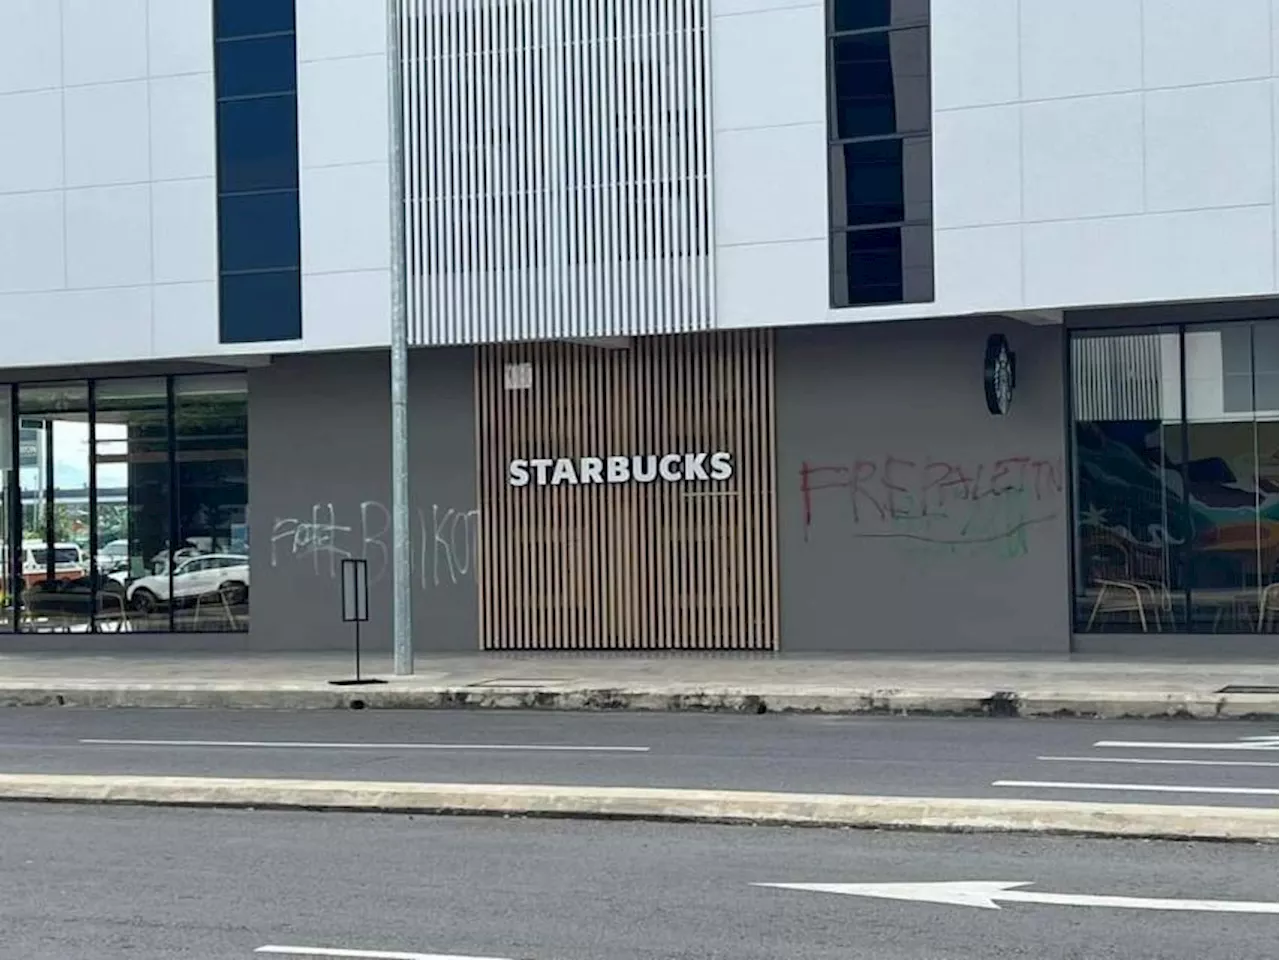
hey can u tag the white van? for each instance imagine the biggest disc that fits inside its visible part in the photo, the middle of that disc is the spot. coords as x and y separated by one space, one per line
68 562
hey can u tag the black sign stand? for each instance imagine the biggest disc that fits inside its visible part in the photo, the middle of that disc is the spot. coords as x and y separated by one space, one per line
355 609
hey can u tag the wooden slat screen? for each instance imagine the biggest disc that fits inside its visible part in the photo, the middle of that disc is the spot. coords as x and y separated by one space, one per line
629 566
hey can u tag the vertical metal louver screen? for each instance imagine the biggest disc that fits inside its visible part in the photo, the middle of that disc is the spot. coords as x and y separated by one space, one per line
557 158
1117 377
629 565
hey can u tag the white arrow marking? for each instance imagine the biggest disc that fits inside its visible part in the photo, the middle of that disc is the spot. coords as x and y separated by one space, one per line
1187 745
985 893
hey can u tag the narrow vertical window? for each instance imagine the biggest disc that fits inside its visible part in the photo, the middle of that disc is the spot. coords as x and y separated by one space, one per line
259 238
879 163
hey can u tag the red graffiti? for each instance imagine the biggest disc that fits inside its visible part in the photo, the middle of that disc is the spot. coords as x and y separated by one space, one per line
895 487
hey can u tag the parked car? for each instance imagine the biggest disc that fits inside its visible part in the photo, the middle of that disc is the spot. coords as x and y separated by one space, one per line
113 556
205 575
68 562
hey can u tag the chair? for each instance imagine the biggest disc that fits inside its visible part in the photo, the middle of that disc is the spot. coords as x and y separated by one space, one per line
1268 605
1127 584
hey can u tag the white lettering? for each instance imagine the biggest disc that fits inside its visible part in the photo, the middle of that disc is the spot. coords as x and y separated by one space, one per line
721 465
619 469
693 469
540 469
564 473
669 467
644 469
638 468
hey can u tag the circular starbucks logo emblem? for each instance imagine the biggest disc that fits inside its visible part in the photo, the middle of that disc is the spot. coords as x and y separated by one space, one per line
999 374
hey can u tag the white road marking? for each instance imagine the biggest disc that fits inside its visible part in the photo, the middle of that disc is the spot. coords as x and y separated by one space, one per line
1187 745
985 893
1179 763
1133 787
363 954
316 745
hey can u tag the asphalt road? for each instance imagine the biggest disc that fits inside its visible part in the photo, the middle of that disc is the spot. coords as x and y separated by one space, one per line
117 882
1154 762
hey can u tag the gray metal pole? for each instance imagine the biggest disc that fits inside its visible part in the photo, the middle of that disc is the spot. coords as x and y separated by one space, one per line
402 575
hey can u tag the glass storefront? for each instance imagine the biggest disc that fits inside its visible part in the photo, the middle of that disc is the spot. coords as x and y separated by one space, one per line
1174 446
124 505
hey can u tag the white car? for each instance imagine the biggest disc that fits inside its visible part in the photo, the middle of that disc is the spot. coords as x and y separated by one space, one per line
206 575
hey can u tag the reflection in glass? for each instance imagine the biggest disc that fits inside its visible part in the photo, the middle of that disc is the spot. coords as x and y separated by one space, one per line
1129 514
56 590
131 461
9 589
1176 515
1231 476
209 570
880 83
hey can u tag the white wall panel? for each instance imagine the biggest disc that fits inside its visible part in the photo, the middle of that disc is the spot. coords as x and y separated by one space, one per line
1210 146
103 40
771 184
345 218
31 249
184 231
978 65
757 83
342 160
981 181
342 114
329 29
1084 153
558 158
109 236
107 133
179 37
119 254
183 133
35 121
1078 48
30 45
1201 254
1081 157
1205 41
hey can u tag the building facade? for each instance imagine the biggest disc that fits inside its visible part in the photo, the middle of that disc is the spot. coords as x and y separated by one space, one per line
920 326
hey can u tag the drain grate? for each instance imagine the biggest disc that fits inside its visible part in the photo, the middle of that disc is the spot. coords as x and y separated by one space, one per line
1248 688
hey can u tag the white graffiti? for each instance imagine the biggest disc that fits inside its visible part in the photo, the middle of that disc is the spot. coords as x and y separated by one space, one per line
454 540
443 552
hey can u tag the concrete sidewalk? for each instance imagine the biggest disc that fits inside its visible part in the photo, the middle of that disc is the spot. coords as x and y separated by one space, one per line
1026 687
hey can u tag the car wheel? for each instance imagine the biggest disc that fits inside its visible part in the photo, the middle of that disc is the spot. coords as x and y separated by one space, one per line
144 601
233 592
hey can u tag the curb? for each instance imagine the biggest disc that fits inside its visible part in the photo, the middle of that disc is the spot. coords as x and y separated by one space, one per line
678 805
674 697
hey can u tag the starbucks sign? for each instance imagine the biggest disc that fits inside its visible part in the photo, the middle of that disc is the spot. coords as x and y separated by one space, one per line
714 466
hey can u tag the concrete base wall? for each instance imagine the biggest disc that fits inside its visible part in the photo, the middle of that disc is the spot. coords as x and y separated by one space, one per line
910 518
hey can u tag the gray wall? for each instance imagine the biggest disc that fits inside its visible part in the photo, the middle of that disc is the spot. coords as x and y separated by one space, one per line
319 481
911 519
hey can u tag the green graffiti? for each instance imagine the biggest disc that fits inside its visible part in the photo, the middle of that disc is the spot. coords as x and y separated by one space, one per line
992 528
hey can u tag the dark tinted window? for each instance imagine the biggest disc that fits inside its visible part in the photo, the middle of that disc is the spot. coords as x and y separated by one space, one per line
867 14
246 68
884 265
246 18
258 231
258 144
260 306
880 83
880 181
